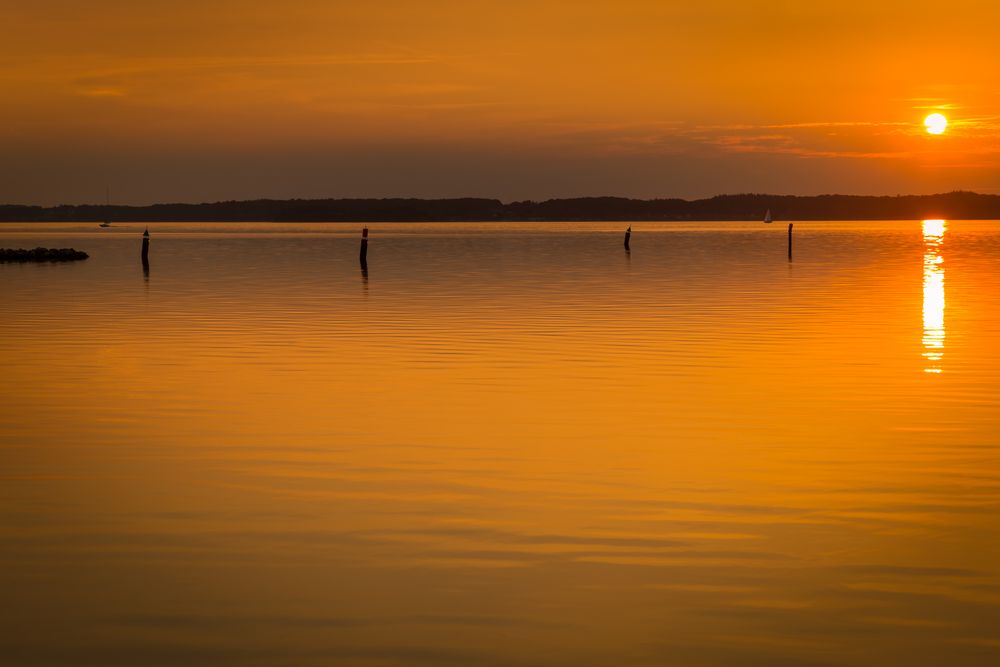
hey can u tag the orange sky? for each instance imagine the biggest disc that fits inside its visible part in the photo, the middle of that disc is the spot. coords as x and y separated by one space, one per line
194 101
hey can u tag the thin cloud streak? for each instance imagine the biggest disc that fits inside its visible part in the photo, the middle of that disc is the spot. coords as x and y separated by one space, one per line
96 69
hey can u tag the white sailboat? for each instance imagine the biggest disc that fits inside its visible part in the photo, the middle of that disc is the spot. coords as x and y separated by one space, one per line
107 203
767 217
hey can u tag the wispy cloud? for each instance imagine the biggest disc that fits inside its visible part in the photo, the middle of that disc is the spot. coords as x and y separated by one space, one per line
986 124
105 70
103 92
839 139
831 124
786 144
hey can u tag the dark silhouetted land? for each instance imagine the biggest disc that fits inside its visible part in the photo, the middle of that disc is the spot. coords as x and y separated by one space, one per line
953 205
41 255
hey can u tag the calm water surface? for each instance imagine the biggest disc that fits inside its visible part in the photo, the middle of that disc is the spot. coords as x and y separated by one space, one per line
508 444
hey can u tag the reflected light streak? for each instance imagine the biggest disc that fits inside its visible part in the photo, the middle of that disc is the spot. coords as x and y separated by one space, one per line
934 332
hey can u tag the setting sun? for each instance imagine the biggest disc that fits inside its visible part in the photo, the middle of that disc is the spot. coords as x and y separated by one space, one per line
936 123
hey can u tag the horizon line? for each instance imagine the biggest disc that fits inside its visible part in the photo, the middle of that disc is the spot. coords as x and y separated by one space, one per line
496 199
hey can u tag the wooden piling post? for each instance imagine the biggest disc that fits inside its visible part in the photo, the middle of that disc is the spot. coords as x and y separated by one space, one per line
790 241
145 249
628 235
364 249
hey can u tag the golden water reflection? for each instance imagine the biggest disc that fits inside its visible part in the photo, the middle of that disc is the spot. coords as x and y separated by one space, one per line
513 450
934 333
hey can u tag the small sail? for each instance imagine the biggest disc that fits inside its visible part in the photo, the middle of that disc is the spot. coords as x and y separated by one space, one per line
107 205
767 216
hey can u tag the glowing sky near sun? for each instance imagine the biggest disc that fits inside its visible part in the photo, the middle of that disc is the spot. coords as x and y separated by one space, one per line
196 101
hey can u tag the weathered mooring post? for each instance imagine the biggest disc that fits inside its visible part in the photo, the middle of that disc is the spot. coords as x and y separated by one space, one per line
364 249
790 242
145 250
628 235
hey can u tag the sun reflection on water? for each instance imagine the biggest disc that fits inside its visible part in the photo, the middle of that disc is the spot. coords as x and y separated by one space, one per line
934 332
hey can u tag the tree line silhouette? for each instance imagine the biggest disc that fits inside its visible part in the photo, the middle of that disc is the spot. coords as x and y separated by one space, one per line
952 205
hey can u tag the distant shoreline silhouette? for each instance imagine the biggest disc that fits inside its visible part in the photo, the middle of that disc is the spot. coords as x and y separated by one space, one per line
953 205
